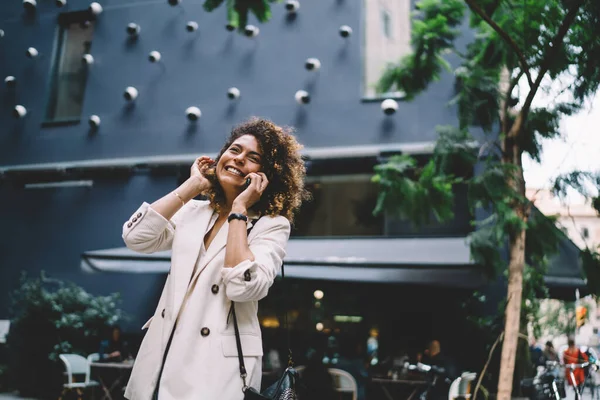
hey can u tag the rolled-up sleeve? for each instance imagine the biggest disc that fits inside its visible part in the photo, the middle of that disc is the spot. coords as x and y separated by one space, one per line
251 280
147 231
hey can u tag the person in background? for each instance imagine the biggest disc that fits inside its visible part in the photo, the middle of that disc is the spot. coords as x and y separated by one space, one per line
115 348
550 353
572 355
535 353
447 370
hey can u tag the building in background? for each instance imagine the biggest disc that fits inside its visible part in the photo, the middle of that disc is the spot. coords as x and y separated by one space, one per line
580 221
101 111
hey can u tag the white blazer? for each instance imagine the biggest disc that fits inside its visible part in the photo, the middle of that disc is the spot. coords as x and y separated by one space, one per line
202 361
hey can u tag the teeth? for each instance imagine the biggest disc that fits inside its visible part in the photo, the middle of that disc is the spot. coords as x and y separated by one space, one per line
235 171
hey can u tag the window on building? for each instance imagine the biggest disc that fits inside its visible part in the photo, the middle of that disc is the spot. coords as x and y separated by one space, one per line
585 232
386 23
69 73
387 40
341 206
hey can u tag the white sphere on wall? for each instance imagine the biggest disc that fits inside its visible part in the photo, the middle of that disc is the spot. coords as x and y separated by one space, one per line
389 106
32 52
19 111
193 113
95 8
10 81
233 93
94 121
87 59
251 31
302 97
131 93
154 56
292 6
312 64
133 29
345 31
191 26
30 5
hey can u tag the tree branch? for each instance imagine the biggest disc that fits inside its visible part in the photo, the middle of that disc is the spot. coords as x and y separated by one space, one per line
487 363
554 48
477 10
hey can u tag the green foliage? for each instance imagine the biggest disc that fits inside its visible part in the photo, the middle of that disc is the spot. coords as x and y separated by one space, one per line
238 10
434 29
50 317
516 45
414 199
584 182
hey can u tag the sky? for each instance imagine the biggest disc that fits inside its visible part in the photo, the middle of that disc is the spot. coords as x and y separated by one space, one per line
578 149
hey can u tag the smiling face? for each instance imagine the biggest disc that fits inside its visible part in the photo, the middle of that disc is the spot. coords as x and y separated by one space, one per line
241 158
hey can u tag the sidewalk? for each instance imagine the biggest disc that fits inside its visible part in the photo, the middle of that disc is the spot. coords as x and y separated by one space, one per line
12 396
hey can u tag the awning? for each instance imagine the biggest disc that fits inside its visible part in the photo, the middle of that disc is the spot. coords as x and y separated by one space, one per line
431 261
427 261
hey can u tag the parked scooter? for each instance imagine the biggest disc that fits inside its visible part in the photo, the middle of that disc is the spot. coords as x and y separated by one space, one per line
548 384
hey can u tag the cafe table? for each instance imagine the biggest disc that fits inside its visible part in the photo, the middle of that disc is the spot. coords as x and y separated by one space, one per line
121 371
388 383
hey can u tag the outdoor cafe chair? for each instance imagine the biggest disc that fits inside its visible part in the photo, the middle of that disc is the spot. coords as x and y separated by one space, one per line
344 381
77 365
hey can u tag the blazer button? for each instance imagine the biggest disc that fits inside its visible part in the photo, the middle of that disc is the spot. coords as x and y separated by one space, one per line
139 215
129 224
247 275
134 219
215 289
162 314
205 331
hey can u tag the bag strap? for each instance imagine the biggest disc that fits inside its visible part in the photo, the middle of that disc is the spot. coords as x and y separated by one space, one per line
238 340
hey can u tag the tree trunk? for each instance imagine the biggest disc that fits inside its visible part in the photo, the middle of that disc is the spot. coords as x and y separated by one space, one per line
513 315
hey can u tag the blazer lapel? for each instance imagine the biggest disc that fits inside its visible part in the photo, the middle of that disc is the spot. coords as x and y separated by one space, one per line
191 236
216 246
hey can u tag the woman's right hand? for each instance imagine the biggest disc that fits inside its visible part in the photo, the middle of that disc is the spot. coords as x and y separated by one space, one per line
198 170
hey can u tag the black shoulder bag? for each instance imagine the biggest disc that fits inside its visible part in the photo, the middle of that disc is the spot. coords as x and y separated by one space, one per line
285 387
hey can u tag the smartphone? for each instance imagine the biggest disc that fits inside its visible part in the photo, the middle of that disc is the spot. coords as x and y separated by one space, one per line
247 183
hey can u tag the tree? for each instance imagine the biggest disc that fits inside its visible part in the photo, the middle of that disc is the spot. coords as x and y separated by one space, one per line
50 317
521 49
238 10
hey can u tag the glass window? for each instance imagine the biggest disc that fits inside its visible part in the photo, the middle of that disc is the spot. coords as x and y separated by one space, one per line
69 72
585 232
387 40
386 23
341 206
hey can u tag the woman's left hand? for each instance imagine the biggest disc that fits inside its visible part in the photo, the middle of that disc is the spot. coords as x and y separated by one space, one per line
249 197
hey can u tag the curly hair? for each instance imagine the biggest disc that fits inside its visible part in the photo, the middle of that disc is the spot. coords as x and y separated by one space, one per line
281 163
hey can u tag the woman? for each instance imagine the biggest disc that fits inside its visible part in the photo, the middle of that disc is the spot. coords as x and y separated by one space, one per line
216 261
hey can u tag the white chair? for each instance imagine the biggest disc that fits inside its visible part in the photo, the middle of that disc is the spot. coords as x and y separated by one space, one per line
77 365
344 381
461 388
4 328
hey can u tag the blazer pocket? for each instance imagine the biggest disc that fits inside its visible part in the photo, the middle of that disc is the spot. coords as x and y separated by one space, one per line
147 324
251 345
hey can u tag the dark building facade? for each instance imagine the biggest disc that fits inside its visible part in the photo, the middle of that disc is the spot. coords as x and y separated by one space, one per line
67 188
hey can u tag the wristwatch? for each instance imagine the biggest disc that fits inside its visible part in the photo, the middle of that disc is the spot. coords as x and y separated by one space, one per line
237 216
